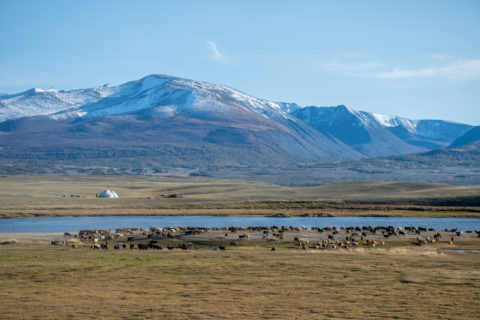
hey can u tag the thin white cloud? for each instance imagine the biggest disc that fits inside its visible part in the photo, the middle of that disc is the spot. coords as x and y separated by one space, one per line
458 70
215 53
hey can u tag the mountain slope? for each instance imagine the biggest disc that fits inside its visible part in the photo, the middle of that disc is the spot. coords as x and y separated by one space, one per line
167 113
173 121
471 136
35 102
376 135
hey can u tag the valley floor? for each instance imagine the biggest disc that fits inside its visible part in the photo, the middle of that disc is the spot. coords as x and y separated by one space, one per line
395 280
34 196
243 282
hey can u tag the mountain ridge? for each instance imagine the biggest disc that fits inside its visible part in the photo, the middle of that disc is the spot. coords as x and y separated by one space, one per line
376 135
160 110
469 137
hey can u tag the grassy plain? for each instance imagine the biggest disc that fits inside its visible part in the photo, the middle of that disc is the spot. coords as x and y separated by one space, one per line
38 281
27 196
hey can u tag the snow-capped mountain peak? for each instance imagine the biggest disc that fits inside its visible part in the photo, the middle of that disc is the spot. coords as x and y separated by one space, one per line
394 121
38 90
167 96
230 115
376 134
158 111
37 102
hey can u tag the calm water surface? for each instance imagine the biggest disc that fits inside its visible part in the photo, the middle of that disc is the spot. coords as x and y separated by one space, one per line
74 224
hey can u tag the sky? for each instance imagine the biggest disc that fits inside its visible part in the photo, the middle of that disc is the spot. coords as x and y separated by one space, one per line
415 59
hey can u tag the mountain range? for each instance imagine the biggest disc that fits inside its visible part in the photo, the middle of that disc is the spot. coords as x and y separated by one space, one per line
170 121
374 134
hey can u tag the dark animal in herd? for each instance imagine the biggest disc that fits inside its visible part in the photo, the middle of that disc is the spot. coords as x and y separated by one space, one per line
355 236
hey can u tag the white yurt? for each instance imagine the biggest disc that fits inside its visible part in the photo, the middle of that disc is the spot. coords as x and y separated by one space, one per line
108 194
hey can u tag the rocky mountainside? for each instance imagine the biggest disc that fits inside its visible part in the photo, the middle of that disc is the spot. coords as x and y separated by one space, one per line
470 137
165 117
37 102
162 120
376 134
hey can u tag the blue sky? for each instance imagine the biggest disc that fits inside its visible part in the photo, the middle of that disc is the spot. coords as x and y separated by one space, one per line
417 59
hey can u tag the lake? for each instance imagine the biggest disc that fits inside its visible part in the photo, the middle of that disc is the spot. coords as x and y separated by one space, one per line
74 224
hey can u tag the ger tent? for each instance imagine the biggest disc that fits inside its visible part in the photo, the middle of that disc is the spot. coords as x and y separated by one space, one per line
108 194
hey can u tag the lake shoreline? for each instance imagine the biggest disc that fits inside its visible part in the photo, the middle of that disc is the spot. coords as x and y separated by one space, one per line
74 224
395 213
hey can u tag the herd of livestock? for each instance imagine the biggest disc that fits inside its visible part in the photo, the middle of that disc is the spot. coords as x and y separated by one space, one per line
327 237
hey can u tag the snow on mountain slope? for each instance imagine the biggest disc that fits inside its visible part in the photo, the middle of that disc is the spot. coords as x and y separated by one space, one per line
36 102
217 114
378 134
160 110
435 129
394 121
442 130
357 129
168 96
289 107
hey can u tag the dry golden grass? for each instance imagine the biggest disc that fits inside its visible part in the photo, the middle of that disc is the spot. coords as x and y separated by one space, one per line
22 196
40 282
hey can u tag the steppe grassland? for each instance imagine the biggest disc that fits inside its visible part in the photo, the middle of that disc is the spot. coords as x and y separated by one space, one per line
39 281
244 282
22 196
